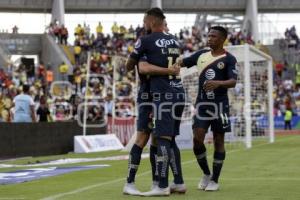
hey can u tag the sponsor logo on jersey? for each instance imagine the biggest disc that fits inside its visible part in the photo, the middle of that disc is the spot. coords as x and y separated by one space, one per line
221 65
164 42
210 74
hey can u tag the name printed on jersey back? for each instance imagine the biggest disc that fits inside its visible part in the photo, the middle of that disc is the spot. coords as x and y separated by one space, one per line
164 43
162 50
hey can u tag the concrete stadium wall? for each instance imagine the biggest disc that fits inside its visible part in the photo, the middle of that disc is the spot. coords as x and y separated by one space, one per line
53 54
42 45
39 139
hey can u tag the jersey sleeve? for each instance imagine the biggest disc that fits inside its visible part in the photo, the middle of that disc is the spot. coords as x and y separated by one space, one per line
232 71
139 49
192 59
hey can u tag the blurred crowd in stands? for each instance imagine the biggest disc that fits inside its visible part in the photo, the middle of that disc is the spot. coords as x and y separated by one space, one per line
59 32
109 80
292 37
287 76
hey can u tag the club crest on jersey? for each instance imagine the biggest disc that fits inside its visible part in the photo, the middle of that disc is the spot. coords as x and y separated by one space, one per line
221 65
164 43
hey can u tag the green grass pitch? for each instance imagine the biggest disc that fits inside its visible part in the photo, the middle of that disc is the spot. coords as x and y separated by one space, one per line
265 172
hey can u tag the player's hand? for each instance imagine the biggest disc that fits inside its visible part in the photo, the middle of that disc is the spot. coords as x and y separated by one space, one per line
174 70
179 62
211 85
177 65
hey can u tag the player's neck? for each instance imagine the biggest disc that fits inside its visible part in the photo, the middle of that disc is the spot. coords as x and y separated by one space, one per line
158 30
217 51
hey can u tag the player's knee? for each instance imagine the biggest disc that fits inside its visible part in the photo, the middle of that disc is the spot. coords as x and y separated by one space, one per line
197 142
142 139
199 134
198 139
219 147
219 144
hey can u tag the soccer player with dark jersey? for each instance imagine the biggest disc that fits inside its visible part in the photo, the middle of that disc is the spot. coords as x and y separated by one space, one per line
144 123
217 73
162 49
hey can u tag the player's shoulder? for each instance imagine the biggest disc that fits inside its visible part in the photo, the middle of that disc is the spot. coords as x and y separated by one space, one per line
141 41
143 38
160 35
169 35
204 50
230 56
200 51
149 38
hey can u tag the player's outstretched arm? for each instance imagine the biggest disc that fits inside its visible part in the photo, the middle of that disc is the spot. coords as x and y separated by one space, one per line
189 61
130 63
147 68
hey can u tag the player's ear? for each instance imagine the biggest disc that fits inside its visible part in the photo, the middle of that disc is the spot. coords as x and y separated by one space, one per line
152 23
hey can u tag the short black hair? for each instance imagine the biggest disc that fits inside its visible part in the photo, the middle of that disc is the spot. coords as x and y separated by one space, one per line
221 29
156 12
26 88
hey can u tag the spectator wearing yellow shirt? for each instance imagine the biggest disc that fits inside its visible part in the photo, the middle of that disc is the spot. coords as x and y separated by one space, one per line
77 52
131 33
78 30
99 28
63 70
115 29
287 119
130 48
123 31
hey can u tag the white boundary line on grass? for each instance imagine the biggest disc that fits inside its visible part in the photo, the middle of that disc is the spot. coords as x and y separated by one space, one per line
142 174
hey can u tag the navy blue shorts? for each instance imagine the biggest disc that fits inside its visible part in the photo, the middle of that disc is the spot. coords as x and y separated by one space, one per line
212 115
144 118
167 114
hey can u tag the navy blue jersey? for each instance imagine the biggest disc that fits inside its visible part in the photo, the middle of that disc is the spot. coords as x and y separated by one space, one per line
222 67
144 79
160 49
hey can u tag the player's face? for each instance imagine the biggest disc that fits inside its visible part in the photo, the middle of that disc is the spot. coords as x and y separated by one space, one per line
215 39
166 27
